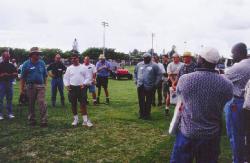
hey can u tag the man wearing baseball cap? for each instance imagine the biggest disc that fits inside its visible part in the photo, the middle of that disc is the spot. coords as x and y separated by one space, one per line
147 76
34 76
239 74
103 68
203 94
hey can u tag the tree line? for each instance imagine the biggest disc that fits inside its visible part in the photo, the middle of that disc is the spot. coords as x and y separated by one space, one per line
48 54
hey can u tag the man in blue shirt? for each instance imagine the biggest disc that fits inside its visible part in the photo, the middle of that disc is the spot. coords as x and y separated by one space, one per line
147 77
203 94
103 68
34 76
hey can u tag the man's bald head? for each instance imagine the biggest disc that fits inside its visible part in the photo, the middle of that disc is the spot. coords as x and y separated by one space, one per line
239 52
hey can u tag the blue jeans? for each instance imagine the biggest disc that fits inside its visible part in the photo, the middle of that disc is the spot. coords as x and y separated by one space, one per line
6 90
235 128
202 150
57 83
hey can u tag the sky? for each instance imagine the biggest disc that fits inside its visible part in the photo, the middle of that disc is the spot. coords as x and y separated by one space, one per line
55 24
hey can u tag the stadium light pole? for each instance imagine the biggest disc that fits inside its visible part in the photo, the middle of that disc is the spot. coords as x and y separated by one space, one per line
104 24
153 35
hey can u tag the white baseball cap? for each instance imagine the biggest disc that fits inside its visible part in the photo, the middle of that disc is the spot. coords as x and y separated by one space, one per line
211 55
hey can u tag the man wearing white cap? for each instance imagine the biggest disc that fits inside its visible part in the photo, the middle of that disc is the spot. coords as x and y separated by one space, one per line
103 68
203 94
147 76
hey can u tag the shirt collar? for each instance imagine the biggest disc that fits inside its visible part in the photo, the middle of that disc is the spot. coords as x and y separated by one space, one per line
206 69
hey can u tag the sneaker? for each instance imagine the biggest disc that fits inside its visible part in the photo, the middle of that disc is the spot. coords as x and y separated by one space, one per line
1 117
95 103
87 123
11 116
75 122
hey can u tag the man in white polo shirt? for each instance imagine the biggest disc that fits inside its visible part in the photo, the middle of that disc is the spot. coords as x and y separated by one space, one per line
172 71
76 82
91 75
159 86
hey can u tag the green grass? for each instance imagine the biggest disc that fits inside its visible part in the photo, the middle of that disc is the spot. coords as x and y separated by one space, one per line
118 134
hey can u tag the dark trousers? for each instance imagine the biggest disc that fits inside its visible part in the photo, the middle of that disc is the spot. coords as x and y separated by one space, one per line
6 90
145 101
159 92
202 150
56 83
77 94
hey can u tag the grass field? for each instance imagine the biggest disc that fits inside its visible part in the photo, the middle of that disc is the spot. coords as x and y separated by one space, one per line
118 134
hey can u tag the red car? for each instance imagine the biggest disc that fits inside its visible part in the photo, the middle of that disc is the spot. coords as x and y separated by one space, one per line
119 73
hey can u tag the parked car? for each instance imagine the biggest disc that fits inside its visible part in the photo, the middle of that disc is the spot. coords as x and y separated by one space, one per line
119 73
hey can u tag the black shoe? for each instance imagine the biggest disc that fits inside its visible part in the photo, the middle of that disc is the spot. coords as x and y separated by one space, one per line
153 104
32 123
166 112
95 103
62 103
107 100
43 125
98 100
147 118
53 104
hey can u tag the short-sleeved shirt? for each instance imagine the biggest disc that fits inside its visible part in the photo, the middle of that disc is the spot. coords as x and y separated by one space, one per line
239 74
186 69
147 75
90 71
103 72
162 69
34 73
174 68
204 94
57 69
6 67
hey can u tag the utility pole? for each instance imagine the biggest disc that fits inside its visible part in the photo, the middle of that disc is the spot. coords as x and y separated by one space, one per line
153 35
104 24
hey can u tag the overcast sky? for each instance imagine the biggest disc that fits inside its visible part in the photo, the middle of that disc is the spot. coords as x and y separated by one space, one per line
55 24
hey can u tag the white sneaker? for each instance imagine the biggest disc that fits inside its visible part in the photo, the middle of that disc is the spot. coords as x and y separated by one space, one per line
11 116
87 123
1 117
75 122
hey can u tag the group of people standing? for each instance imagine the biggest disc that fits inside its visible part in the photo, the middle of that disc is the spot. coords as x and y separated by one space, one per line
203 93
77 78
151 77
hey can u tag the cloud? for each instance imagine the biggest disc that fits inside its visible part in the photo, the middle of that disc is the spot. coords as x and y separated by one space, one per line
219 23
